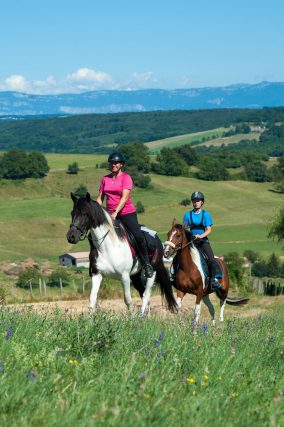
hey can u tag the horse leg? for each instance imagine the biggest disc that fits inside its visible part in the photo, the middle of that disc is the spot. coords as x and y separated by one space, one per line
147 294
179 298
125 278
211 309
222 308
96 282
197 309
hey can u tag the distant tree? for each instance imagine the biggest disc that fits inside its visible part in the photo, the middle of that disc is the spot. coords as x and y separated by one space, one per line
81 190
187 153
252 256
273 266
27 276
234 263
38 165
139 179
258 268
56 275
140 207
256 171
16 164
73 169
211 169
276 228
136 154
169 163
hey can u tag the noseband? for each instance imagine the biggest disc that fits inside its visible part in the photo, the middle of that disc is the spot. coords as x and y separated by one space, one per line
179 246
83 234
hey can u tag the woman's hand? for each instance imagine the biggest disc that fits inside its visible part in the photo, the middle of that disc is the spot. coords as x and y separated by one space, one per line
114 215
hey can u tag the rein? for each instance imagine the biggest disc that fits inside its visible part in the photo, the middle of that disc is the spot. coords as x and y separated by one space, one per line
177 247
101 239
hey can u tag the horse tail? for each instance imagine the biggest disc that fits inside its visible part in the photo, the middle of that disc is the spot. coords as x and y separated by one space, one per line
233 301
162 278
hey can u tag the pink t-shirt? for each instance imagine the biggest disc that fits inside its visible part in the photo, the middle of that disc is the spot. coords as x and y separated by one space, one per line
112 189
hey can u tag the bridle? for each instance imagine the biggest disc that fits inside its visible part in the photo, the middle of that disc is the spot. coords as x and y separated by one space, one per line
179 247
83 234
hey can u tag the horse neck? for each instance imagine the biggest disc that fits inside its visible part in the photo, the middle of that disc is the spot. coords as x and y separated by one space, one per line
104 235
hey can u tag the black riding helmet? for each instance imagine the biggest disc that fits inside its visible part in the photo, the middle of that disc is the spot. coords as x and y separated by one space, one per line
116 157
197 195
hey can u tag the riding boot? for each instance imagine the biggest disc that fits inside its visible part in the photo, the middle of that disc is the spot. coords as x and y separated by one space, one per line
214 282
143 254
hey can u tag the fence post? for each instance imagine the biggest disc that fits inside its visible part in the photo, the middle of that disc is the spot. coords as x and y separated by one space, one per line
39 285
44 288
83 285
60 283
31 287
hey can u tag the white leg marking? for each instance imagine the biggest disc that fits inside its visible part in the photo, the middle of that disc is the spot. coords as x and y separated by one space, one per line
125 278
197 312
96 282
179 300
211 309
222 307
147 293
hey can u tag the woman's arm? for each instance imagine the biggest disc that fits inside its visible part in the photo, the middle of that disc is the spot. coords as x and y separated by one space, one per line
123 200
100 198
205 234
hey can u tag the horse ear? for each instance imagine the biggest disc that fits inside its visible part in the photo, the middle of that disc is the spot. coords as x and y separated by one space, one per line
73 197
88 197
174 223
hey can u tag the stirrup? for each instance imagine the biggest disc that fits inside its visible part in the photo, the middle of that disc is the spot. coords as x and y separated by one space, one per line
215 284
148 270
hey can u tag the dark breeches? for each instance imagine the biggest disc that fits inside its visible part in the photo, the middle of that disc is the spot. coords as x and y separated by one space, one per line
130 222
204 246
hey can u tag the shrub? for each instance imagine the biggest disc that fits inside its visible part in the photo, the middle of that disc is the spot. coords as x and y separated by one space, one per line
73 169
27 276
56 275
81 190
140 207
185 202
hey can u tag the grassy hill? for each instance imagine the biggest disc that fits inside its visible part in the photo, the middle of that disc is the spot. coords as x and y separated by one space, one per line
35 214
211 137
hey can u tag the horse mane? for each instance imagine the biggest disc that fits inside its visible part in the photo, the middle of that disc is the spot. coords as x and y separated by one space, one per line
99 216
187 233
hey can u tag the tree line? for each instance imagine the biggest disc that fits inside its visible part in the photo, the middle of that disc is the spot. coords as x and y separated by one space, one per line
17 164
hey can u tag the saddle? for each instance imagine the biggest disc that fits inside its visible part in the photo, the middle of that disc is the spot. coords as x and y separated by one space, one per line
151 238
205 265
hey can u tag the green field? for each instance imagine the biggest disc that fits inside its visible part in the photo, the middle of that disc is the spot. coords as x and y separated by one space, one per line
59 370
35 214
211 137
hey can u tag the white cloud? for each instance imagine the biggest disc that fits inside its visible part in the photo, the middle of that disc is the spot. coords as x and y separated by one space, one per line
16 82
91 76
49 81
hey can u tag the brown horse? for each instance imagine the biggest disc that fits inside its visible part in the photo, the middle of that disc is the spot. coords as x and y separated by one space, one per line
189 275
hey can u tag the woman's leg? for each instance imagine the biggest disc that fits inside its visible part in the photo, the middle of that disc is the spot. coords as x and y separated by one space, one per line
206 248
130 222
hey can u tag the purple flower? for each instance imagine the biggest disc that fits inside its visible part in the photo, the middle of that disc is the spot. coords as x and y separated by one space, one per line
9 333
31 376
204 328
1 368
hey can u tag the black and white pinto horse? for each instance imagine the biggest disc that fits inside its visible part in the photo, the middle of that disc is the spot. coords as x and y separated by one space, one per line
111 255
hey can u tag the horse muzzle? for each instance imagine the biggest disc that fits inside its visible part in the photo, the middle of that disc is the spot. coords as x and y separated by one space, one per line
73 235
169 249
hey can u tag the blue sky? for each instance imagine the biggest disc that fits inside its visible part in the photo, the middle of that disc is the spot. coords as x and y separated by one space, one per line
55 46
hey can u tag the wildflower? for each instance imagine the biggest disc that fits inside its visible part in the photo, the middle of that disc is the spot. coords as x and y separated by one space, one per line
32 376
9 333
191 380
205 377
234 394
73 361
161 336
194 393
205 328
143 375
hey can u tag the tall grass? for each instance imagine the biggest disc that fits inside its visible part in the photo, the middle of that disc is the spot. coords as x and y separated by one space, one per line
107 370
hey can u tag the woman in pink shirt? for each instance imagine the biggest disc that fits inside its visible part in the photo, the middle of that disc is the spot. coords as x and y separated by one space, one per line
116 188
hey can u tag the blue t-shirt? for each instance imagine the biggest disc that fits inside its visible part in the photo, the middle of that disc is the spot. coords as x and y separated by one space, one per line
196 219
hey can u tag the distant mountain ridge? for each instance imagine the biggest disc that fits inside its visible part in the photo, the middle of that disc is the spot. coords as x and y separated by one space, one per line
264 94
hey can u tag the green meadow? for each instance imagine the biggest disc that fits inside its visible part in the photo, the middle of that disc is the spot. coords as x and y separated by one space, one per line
109 370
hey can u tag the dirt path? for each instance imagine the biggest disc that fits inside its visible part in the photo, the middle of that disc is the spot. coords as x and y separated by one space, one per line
256 306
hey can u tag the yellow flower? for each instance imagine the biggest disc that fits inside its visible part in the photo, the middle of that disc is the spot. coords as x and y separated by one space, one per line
73 361
234 394
191 380
205 377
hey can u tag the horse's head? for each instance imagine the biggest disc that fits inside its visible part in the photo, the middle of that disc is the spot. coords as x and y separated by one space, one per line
178 236
81 218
